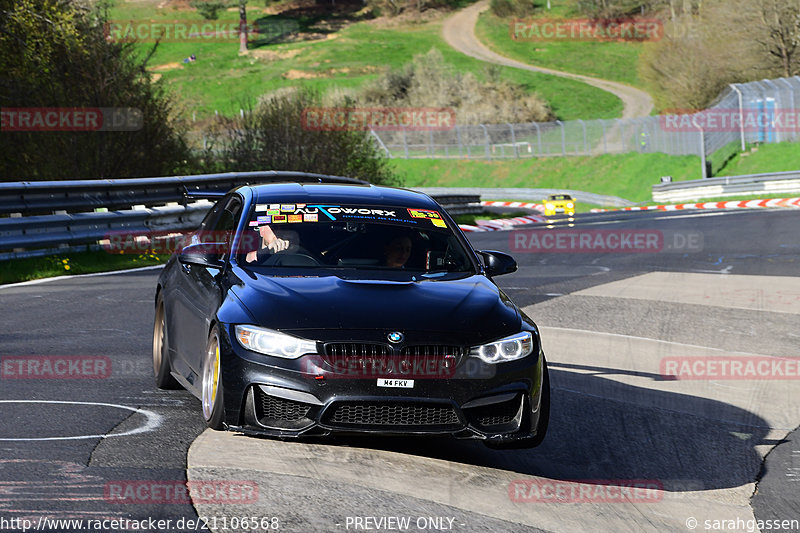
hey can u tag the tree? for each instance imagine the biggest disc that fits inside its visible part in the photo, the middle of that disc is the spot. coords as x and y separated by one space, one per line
242 26
777 31
54 54
274 136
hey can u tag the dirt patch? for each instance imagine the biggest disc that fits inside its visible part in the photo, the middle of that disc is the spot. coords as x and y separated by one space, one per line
300 75
174 5
294 74
410 17
165 66
275 55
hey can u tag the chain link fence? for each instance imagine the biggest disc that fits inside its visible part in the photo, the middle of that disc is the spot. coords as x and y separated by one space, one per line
758 112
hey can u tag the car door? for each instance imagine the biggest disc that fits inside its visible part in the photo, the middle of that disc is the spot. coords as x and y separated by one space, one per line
199 294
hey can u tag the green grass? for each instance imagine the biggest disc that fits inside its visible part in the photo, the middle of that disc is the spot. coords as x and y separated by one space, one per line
223 80
16 270
628 176
617 61
779 157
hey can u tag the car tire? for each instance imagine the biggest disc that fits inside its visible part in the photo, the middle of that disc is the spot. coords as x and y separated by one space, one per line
161 364
541 426
212 393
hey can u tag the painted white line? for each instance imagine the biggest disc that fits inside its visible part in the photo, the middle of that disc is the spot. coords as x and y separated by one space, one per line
93 274
153 421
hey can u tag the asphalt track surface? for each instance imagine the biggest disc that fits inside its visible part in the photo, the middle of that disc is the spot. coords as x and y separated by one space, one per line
720 284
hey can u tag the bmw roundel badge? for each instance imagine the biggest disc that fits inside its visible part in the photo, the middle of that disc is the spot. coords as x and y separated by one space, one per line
395 337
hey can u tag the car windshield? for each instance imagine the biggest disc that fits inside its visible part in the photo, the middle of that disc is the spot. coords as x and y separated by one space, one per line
561 197
352 237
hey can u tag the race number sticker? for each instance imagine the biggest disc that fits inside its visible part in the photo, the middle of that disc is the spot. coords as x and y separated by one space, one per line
433 216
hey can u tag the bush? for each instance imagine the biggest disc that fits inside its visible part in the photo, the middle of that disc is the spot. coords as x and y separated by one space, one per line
513 8
429 82
273 136
209 9
54 54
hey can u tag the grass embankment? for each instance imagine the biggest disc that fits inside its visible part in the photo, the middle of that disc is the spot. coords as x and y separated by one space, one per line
628 176
609 60
340 54
68 264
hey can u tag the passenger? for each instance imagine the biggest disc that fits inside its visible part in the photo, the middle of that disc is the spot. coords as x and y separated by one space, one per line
397 251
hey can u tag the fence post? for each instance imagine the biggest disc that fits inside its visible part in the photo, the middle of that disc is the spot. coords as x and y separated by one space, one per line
513 140
585 144
621 134
703 153
405 141
380 143
538 138
741 113
458 137
563 139
430 142
605 139
486 136
702 149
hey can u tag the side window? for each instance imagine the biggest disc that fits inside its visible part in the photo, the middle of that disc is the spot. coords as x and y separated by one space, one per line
212 215
224 227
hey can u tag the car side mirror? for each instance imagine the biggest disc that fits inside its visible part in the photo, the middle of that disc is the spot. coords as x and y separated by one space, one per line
205 254
498 263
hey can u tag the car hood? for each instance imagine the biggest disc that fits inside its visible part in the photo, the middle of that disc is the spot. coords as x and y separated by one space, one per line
471 309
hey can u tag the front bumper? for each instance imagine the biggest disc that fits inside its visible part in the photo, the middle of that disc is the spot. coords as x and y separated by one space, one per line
301 398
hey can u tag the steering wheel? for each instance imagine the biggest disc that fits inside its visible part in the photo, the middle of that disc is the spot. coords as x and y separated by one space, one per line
295 258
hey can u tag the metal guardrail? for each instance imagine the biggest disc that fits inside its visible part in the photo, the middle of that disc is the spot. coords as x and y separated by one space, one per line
42 197
59 229
50 234
750 184
528 195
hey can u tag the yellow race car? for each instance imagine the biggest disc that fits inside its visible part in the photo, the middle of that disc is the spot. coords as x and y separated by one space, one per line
559 204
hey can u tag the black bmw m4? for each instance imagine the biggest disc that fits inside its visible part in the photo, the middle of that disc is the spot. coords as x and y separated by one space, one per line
308 309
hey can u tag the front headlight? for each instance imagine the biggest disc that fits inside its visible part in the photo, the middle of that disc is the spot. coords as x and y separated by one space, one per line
269 342
508 349
549 207
570 205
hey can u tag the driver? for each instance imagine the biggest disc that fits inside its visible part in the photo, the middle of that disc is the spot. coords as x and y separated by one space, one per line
270 244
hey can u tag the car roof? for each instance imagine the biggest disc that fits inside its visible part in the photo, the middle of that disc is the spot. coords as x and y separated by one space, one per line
355 194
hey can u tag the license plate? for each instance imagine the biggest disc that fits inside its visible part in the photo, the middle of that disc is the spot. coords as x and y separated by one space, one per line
397 383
